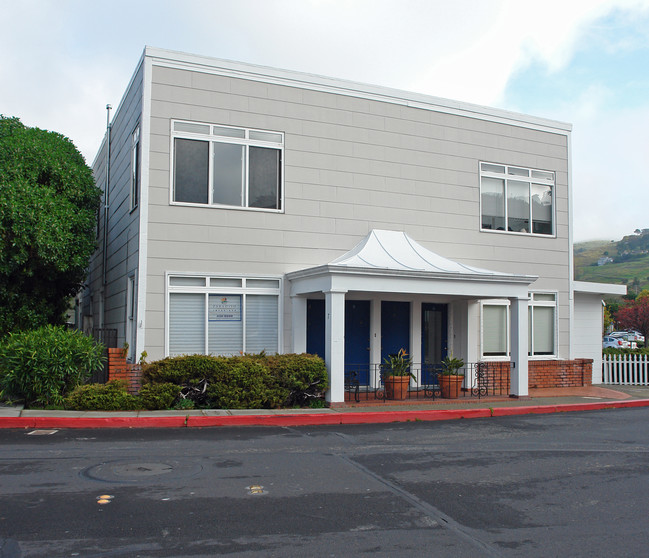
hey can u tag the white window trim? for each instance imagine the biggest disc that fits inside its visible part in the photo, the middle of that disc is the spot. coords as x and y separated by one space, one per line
212 138
553 184
495 302
547 304
243 290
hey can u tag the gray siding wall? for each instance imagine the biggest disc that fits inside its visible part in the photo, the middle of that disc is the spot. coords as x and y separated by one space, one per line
351 165
123 224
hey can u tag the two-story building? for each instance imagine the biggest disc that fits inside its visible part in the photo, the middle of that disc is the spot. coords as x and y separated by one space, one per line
253 209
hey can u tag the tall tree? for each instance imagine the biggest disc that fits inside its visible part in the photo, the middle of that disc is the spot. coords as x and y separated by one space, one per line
48 205
635 314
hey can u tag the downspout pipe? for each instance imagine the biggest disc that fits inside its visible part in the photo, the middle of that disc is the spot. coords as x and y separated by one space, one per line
106 205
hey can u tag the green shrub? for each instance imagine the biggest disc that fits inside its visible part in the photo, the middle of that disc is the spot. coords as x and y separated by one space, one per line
159 396
102 397
184 369
638 351
244 384
247 381
303 376
41 366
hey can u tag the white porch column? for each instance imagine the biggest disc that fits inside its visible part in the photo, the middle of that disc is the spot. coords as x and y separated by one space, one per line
335 344
519 381
375 340
298 324
473 331
415 338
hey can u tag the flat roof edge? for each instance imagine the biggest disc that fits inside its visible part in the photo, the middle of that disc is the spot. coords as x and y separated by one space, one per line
598 288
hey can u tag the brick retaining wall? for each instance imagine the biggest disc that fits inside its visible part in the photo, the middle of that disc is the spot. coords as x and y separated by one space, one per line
544 373
119 369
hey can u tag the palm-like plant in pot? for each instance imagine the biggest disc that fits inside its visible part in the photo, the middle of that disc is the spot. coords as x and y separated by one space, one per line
397 374
452 376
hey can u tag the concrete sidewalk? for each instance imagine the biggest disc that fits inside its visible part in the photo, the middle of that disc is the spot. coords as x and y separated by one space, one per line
541 401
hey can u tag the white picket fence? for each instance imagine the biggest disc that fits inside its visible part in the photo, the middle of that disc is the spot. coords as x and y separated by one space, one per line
625 370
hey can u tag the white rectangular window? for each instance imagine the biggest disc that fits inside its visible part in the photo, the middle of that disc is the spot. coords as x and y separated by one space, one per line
495 329
261 310
223 315
131 312
542 324
541 335
516 199
135 168
186 323
227 167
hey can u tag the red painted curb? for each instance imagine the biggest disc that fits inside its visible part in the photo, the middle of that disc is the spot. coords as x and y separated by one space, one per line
369 417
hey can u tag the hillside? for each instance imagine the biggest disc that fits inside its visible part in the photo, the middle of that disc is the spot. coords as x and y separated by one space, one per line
626 261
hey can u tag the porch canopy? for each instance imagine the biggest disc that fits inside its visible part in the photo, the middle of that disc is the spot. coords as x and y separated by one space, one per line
391 262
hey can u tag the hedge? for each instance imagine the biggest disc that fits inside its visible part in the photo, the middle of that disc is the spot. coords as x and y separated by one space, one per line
247 381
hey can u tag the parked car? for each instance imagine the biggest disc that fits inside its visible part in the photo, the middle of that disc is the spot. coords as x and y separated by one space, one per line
613 342
626 336
636 336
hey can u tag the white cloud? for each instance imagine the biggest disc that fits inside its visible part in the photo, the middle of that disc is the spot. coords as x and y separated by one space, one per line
610 192
62 61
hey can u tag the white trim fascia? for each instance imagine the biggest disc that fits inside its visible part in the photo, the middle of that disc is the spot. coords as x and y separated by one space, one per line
338 270
145 146
290 78
123 99
598 288
102 145
571 258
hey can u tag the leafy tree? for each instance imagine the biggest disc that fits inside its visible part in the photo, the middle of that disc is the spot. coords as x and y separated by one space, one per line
635 314
608 319
48 205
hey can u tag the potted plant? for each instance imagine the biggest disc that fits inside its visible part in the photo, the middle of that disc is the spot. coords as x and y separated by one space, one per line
451 377
397 375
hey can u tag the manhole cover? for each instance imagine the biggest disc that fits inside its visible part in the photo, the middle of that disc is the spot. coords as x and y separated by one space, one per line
142 469
135 471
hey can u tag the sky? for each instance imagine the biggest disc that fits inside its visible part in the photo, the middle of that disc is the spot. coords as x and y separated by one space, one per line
585 62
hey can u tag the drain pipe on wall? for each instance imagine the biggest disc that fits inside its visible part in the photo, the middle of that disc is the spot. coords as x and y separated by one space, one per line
106 205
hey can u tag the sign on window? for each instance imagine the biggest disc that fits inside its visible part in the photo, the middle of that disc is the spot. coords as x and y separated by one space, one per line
223 308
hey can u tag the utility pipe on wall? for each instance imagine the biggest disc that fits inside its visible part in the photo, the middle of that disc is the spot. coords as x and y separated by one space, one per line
106 205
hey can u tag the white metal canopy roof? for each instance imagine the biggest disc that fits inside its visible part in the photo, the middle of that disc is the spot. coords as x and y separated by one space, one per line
391 261
397 251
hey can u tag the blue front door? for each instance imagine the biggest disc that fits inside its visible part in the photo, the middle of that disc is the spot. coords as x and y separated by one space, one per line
434 338
357 335
315 327
395 328
357 340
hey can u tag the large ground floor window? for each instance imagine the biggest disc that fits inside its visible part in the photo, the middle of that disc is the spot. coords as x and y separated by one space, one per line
541 326
222 315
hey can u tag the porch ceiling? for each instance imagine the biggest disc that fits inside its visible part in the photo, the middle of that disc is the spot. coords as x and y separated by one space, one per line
392 262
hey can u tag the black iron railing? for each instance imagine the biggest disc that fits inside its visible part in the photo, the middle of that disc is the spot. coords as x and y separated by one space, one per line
365 382
108 337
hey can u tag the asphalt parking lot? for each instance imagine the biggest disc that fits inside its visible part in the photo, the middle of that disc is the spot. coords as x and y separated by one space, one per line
565 484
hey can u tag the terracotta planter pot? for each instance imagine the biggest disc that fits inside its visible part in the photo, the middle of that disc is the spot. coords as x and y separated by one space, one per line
451 386
396 387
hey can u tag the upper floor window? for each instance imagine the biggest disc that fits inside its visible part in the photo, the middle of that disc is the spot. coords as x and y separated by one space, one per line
516 199
135 168
225 166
